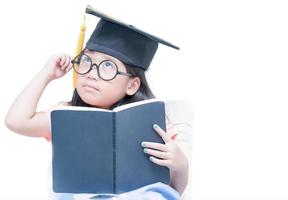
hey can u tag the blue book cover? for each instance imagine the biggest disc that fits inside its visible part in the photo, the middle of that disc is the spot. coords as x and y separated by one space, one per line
99 151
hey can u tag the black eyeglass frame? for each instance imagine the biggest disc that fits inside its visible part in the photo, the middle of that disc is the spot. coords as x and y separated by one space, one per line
75 61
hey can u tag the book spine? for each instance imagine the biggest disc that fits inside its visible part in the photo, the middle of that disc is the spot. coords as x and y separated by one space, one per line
114 153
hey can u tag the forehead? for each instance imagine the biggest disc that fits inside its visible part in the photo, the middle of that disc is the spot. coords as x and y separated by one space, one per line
95 55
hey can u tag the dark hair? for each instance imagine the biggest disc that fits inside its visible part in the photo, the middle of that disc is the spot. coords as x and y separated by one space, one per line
144 92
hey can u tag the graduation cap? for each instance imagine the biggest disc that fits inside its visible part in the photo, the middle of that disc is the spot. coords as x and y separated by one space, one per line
123 41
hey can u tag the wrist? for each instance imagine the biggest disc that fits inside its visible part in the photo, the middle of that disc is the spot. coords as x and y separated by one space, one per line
179 180
44 75
182 170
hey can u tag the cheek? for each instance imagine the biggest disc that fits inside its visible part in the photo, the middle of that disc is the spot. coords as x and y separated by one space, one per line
116 88
78 85
115 91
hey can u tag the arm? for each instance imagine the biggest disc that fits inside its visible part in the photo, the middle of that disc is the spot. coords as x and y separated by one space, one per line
171 156
22 117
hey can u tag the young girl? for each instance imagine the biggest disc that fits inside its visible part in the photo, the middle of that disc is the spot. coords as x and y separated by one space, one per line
111 72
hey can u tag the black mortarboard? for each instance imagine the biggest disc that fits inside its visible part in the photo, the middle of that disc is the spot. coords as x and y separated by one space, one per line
125 42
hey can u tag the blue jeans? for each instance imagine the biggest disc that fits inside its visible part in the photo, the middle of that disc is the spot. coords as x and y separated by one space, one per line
70 196
155 191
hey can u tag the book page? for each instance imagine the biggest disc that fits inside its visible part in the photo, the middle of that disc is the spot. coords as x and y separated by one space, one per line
117 109
129 105
79 108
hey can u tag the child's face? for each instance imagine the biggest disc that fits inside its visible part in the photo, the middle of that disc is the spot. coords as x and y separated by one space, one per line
100 93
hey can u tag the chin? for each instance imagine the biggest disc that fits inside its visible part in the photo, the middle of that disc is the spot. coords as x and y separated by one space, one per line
94 101
91 101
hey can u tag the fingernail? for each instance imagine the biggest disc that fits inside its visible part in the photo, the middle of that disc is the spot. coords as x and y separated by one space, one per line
143 144
145 150
155 126
151 158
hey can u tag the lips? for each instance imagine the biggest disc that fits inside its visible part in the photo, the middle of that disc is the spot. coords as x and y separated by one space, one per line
88 86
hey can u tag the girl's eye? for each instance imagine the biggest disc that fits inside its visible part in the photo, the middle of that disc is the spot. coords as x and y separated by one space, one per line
85 59
108 64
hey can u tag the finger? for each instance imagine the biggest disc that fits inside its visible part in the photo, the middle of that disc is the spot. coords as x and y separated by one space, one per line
58 61
69 67
67 61
158 154
171 131
63 59
154 145
162 133
65 64
159 161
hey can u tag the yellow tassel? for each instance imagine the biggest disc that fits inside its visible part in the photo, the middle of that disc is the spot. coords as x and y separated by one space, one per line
79 48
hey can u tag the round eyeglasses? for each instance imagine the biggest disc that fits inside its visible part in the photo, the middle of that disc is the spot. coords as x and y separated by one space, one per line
106 70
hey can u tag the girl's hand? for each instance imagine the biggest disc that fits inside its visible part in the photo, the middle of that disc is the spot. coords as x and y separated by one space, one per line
168 154
57 66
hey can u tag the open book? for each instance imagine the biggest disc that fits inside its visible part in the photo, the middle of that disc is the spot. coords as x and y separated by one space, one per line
99 151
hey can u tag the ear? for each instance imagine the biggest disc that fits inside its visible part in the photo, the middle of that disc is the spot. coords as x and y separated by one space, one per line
133 86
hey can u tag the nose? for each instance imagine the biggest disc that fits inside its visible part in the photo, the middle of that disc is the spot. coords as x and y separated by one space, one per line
93 74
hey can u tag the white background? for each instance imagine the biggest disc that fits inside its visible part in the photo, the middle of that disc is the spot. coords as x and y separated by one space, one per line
232 67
